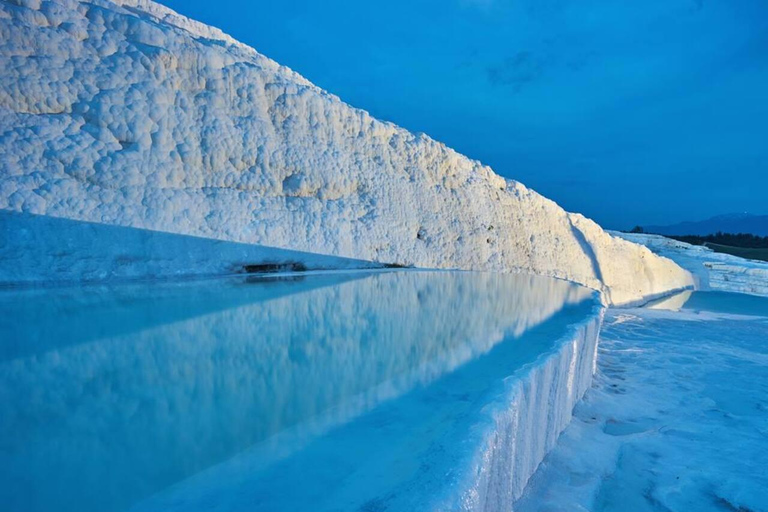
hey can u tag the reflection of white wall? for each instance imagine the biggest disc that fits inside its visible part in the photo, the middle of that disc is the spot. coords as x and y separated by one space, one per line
480 458
124 118
165 402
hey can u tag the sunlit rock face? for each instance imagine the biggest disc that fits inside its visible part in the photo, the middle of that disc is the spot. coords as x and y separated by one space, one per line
127 113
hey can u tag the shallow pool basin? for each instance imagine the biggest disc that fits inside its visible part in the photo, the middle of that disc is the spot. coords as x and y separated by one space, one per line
359 391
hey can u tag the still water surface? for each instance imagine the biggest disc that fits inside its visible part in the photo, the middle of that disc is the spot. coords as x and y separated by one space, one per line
348 391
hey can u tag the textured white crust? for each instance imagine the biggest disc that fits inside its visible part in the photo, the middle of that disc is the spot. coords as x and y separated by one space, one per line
129 114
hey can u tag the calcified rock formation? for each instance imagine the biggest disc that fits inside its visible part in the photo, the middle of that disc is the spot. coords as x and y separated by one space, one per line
711 270
126 113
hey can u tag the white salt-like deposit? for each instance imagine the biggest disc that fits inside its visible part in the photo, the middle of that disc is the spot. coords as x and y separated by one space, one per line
676 419
126 113
711 270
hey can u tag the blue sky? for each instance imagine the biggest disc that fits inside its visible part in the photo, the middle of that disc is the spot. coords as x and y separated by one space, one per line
629 111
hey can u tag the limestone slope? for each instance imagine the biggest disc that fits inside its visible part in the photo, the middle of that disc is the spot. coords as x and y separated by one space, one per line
127 113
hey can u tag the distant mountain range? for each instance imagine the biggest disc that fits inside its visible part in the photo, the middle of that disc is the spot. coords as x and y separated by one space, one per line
728 223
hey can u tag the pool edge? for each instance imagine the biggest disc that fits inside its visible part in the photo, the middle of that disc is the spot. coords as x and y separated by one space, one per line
520 428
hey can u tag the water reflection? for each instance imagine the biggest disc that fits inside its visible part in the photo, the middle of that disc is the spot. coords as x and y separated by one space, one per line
109 395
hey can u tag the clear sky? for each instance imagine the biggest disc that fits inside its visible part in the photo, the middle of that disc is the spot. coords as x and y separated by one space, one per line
629 111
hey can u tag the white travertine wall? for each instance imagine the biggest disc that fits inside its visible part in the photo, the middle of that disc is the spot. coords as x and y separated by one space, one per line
127 113
711 270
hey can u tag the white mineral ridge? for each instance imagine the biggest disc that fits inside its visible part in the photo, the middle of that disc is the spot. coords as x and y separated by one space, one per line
129 114
711 270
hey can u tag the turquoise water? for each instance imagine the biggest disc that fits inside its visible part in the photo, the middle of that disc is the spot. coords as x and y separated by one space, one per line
348 391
